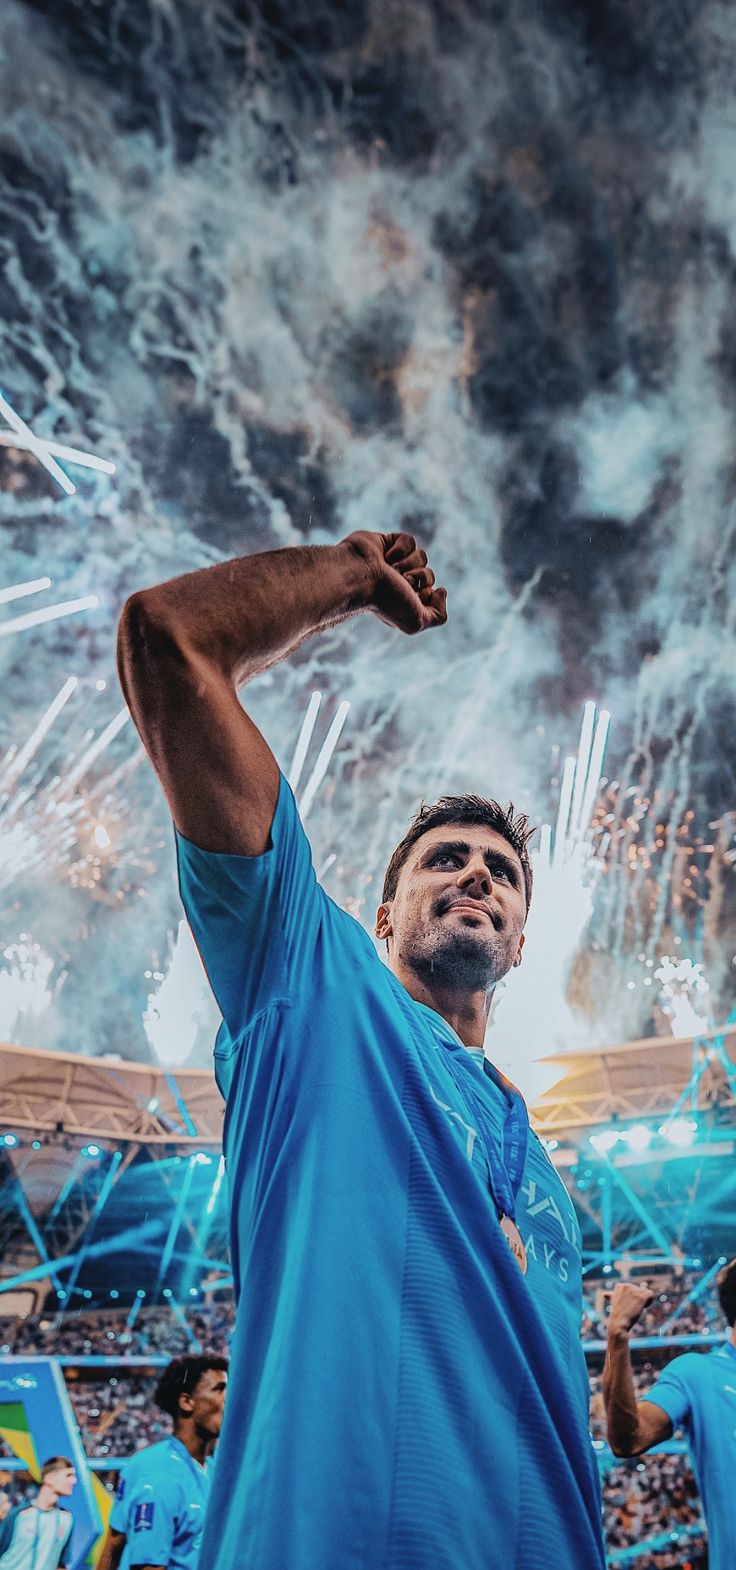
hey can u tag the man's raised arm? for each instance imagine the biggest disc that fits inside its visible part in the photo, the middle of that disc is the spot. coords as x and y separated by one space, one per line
633 1426
186 646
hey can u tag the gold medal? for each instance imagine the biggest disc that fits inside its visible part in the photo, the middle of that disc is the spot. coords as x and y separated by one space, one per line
513 1238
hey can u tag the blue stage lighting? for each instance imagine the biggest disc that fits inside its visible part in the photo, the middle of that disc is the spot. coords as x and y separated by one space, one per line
114 1292
605 1140
36 1144
10 1140
681 1131
638 1137
92 1151
166 1292
202 1159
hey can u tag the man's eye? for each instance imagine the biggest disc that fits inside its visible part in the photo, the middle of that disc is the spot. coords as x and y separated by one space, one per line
446 857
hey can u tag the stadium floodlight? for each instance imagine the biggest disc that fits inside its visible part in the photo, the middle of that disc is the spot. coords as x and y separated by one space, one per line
10 1140
638 1137
681 1131
605 1140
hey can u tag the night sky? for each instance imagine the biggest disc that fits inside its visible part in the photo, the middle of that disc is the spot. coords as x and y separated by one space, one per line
466 269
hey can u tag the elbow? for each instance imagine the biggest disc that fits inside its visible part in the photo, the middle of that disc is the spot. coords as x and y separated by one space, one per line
627 1445
145 632
146 648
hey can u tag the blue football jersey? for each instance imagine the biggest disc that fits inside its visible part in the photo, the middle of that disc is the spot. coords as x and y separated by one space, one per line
160 1506
698 1393
401 1396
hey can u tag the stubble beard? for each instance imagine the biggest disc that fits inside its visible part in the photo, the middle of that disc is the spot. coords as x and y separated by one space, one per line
457 961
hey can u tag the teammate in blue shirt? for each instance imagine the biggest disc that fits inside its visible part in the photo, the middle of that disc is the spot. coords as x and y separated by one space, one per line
158 1515
695 1392
408 1390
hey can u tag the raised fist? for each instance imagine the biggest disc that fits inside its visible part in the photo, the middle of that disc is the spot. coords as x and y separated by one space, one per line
403 591
628 1302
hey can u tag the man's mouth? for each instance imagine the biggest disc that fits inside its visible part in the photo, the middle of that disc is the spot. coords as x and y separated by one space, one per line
472 908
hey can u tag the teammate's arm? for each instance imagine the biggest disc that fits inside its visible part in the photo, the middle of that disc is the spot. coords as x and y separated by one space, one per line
112 1550
633 1426
186 646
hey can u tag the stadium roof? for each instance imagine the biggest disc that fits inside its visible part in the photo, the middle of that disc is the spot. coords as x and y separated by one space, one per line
639 1079
100 1098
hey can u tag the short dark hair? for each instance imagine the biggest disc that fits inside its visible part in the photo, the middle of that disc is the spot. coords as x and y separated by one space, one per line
53 1464
513 826
181 1378
726 1282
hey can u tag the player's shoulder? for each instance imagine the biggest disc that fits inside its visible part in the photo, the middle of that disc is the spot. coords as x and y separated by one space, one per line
689 1367
148 1459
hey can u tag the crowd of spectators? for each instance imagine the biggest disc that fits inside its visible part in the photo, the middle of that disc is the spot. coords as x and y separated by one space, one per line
701 1316
649 1495
643 1497
159 1330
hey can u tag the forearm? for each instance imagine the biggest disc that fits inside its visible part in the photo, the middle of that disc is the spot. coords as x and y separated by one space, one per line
112 1550
619 1396
244 615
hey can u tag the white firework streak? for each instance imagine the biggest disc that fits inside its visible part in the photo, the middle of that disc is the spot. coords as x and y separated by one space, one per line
46 450
566 870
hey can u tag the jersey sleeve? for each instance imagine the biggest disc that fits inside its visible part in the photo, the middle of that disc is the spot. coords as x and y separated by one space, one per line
672 1390
152 1513
255 919
119 1513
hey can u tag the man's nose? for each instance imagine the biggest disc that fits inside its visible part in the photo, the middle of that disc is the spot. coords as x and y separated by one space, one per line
476 873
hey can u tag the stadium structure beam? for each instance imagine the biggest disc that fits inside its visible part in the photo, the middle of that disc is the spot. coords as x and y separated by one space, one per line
698 1290
99 1205
91 1098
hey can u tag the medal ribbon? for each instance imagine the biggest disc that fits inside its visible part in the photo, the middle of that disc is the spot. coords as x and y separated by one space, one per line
505 1170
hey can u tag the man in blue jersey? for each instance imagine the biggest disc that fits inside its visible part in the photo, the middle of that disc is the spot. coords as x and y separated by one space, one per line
159 1510
695 1392
408 1390
36 1536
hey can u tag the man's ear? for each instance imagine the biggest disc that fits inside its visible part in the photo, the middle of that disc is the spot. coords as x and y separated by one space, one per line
517 961
384 929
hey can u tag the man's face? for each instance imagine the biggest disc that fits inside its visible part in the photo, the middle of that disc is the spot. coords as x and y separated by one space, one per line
62 1480
207 1402
458 914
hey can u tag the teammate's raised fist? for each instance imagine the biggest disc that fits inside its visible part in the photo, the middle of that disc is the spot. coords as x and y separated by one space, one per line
628 1302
